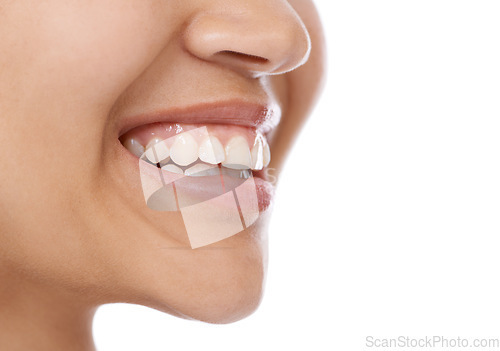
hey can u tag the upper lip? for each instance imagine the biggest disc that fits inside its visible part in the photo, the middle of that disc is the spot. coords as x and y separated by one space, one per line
237 112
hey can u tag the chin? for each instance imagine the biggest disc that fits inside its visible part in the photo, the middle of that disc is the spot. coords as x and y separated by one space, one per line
220 283
233 300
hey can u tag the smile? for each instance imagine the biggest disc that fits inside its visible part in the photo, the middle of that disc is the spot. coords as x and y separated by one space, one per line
180 148
205 171
235 138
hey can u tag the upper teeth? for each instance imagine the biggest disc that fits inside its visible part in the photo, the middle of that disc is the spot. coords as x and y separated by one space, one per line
157 150
211 150
185 150
258 154
238 154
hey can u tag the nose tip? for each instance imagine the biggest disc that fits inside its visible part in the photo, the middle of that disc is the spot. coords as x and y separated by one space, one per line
262 39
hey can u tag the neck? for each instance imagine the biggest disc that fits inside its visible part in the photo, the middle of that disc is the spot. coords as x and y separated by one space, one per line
38 317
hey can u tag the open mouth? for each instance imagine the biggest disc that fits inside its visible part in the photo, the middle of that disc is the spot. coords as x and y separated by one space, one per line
182 149
213 174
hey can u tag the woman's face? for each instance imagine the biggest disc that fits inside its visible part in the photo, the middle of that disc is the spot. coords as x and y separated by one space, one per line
81 79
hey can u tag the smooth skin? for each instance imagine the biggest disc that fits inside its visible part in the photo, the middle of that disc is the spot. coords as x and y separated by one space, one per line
74 230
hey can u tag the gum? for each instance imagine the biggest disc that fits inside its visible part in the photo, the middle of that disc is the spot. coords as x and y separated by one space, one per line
165 131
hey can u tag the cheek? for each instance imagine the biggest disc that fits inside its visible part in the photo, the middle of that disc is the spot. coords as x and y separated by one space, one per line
79 52
63 64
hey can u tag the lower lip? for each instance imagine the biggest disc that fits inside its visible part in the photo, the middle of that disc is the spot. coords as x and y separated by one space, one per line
264 189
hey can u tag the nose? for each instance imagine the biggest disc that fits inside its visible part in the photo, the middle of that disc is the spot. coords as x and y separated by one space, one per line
257 37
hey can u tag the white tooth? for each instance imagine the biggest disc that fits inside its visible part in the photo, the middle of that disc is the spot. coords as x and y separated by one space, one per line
199 170
211 150
267 154
172 168
184 151
149 151
134 147
258 154
161 149
238 154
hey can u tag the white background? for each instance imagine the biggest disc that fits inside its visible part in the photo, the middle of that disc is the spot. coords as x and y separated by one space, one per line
387 216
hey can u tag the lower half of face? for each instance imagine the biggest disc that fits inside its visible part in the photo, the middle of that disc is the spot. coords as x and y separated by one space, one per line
141 143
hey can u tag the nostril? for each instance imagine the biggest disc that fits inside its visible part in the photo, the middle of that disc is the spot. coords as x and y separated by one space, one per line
242 57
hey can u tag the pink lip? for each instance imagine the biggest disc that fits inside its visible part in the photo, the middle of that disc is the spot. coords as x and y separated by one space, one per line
235 112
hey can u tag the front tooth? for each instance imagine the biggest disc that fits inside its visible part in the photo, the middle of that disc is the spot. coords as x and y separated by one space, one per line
172 168
161 149
258 154
211 150
267 154
238 154
184 151
201 169
134 147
